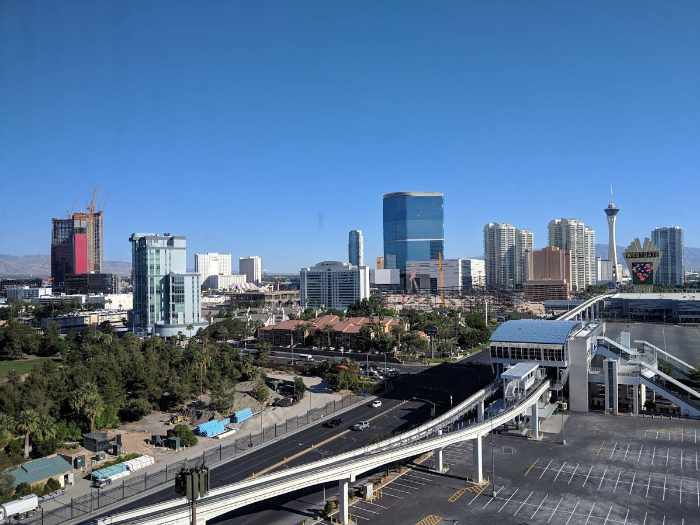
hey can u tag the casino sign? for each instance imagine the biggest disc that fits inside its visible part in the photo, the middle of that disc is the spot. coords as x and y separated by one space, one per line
642 261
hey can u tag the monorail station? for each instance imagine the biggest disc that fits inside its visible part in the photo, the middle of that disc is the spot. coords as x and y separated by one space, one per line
593 371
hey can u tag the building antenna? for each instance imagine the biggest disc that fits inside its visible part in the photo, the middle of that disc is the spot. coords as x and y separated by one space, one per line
611 193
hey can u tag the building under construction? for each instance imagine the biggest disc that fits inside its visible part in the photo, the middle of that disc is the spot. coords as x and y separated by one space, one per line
76 245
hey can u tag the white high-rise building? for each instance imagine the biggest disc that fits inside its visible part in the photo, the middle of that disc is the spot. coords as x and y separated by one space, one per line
212 263
573 235
473 274
669 241
333 284
356 248
251 267
505 255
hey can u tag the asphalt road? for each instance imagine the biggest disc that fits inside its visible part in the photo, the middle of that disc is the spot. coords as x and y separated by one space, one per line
436 384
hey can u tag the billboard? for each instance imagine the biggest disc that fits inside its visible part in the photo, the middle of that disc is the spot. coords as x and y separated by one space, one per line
642 273
642 260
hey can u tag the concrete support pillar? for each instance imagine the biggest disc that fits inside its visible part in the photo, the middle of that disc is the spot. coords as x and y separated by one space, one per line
343 502
478 460
642 396
480 410
535 422
438 460
635 400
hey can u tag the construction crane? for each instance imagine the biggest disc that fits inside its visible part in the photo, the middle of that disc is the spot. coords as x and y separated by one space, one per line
441 280
91 207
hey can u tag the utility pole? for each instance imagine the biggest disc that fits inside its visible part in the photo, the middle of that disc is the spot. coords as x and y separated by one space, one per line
193 484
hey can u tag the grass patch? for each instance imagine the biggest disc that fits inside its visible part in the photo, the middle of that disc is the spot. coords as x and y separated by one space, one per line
21 366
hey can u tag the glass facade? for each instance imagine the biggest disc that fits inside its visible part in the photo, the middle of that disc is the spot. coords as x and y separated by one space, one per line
413 228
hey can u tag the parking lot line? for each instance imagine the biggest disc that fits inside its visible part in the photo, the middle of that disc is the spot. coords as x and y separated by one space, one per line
589 514
648 485
364 509
681 459
493 497
375 504
572 512
397 490
479 494
627 516
667 451
573 474
612 453
560 469
508 500
401 484
663 498
600 448
531 467
634 476
522 504
388 493
640 453
546 468
608 515
697 490
602 478
538 507
411 481
618 481
628 450
589 473
555 509
680 492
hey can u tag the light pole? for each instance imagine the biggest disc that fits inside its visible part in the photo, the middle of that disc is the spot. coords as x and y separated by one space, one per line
493 463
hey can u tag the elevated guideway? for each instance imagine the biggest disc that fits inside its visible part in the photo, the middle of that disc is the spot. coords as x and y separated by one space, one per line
344 468
588 310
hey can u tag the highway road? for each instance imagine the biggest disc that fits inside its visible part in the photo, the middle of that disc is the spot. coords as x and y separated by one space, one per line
398 413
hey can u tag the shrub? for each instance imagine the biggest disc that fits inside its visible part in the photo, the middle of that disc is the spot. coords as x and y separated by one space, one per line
51 485
23 489
187 437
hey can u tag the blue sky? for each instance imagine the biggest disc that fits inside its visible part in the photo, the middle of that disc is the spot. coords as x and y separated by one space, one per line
273 128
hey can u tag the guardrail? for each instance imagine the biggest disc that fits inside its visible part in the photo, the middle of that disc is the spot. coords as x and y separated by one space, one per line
240 494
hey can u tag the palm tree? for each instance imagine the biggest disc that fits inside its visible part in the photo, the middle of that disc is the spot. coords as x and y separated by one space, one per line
88 402
7 430
28 423
47 428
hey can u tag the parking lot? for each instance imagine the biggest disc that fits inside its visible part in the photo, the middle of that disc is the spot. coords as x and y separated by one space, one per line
613 470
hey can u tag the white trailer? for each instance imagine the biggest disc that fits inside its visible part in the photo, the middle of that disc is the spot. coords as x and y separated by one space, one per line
19 506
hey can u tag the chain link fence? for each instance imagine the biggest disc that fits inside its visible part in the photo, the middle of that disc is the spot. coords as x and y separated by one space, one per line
99 498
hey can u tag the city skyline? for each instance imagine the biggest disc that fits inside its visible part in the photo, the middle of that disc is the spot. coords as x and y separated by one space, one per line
256 107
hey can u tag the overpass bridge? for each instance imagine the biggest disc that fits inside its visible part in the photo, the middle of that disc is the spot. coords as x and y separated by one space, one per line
588 310
345 468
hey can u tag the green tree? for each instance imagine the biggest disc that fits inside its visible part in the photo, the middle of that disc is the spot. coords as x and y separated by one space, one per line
88 403
187 437
135 409
51 485
6 487
299 388
23 489
28 423
261 392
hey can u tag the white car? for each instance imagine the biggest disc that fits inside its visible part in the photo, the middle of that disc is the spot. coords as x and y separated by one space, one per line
376 403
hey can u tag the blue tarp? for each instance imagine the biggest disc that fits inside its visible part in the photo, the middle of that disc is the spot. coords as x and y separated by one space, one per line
241 415
108 472
211 428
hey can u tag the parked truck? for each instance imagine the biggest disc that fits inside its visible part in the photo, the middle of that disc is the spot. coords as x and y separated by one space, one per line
19 507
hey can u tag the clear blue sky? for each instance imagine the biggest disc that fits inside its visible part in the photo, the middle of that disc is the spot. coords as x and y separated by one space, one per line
273 128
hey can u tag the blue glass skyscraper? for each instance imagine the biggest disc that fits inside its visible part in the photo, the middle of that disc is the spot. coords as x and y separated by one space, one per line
413 227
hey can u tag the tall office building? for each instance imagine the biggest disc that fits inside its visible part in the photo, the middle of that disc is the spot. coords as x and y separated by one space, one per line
473 274
356 248
251 267
669 240
212 263
577 238
333 284
413 228
166 298
505 255
76 246
611 213
549 274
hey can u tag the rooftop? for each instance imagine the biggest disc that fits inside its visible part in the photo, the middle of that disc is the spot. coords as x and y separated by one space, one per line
534 331
39 470
519 370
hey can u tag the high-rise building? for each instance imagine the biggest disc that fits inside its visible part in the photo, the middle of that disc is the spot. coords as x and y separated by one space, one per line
549 264
212 263
611 213
379 264
333 284
505 255
577 238
76 246
166 298
251 267
473 274
413 228
425 276
356 248
669 240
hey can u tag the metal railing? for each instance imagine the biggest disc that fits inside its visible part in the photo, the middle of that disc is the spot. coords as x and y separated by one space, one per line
100 498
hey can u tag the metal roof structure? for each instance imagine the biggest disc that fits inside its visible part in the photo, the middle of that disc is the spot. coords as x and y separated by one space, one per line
39 470
519 370
534 331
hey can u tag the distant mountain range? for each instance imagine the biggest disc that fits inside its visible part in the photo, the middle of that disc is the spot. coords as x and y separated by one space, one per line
691 256
40 266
